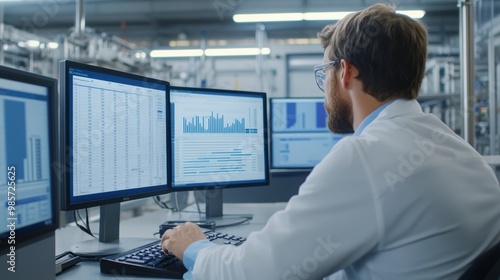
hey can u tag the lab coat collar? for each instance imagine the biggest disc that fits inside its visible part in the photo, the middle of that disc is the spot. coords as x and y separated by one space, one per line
390 110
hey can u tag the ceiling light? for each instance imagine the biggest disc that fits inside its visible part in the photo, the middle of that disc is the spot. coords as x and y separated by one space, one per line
268 17
413 13
326 16
176 53
237 51
309 16
265 51
33 43
53 45
210 52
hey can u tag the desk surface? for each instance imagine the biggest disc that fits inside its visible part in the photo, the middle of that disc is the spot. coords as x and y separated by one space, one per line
145 226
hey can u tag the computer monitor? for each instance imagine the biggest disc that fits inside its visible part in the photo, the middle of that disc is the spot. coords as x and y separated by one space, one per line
28 193
116 145
300 138
219 141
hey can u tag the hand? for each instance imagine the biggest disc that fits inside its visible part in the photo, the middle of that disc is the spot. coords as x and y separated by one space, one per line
177 240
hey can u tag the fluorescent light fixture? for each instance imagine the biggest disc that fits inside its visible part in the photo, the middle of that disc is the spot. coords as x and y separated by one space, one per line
265 51
210 52
268 17
237 51
413 13
309 16
176 53
53 45
326 16
33 43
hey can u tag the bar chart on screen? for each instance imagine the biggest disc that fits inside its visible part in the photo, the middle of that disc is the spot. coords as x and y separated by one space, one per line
299 116
215 123
24 138
300 137
216 137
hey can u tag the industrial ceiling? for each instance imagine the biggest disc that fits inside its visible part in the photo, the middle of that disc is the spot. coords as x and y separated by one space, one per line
153 23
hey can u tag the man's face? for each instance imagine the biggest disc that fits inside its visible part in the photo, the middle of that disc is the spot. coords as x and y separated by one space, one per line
338 107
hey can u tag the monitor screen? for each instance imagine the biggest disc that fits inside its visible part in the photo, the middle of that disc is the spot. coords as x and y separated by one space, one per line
299 133
219 138
116 136
28 195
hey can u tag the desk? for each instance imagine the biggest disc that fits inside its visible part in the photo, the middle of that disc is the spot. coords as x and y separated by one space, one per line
146 225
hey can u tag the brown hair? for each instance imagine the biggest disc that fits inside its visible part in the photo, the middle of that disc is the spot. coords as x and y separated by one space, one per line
388 49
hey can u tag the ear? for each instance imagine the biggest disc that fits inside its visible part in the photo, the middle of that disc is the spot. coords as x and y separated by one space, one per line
348 72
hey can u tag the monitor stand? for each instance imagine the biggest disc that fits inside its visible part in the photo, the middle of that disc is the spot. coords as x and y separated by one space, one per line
109 242
214 211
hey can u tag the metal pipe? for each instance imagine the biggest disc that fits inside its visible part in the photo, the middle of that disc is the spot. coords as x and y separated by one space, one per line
31 61
80 18
467 69
65 48
203 60
492 94
260 37
2 30
497 102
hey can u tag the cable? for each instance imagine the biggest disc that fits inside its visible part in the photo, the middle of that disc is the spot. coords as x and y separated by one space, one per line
233 224
87 221
86 227
163 204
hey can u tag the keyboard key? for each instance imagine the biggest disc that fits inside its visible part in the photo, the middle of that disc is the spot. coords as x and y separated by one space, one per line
149 259
136 261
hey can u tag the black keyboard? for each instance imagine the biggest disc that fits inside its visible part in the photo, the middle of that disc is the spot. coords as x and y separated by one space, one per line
149 259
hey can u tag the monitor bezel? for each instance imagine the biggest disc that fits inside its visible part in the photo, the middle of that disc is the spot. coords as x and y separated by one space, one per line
25 235
236 184
272 165
66 157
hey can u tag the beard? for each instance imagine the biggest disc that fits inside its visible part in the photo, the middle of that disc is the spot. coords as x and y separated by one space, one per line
340 118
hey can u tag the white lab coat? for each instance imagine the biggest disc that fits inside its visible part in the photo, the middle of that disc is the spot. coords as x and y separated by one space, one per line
406 199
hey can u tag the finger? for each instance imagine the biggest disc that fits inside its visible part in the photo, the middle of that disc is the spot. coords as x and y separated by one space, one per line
190 224
166 235
164 245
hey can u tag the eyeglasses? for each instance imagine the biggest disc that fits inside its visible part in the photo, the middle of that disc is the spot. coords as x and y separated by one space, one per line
320 72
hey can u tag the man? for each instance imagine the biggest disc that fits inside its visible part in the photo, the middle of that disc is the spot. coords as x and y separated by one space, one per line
402 198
